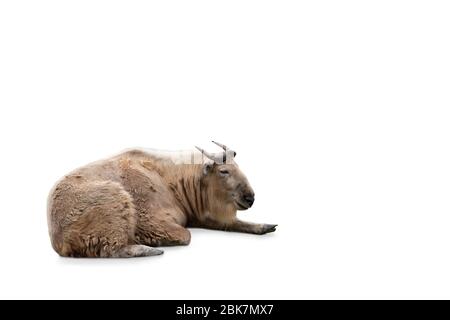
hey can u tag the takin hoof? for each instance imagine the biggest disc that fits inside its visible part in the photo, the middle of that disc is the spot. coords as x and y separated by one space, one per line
267 228
134 251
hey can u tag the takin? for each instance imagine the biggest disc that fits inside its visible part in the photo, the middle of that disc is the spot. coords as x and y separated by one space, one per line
127 205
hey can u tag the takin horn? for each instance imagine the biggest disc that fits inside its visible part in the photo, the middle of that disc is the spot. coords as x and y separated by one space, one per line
228 151
219 158
224 147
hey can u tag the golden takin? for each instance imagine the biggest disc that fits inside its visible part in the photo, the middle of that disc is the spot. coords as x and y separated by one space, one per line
127 205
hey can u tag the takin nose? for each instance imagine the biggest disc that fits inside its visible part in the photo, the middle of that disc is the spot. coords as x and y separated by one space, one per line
249 199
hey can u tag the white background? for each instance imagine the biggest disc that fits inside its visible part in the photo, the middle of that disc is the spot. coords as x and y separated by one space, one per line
339 111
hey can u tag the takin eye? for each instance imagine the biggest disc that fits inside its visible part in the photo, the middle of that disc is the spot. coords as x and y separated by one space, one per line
224 172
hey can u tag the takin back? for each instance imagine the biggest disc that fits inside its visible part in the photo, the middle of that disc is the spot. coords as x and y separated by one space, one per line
126 205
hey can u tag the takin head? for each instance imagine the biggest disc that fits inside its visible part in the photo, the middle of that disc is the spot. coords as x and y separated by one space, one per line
227 184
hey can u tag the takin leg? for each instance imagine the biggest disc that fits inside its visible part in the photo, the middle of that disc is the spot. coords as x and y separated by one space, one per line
236 225
99 221
161 232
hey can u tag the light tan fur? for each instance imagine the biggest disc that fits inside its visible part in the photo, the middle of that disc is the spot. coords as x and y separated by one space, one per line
126 205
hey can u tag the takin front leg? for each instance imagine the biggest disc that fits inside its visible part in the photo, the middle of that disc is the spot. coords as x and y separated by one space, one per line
237 226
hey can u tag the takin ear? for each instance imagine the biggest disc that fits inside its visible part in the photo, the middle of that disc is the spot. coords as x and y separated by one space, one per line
207 167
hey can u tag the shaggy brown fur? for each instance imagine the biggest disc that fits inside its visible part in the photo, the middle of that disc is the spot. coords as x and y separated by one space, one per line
126 205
